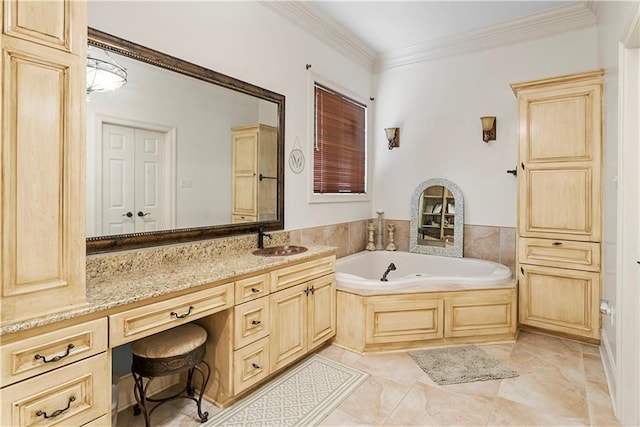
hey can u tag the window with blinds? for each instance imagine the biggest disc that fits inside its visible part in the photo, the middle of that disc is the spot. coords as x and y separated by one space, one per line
340 126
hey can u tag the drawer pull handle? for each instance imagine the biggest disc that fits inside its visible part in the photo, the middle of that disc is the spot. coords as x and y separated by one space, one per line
255 290
255 322
255 365
557 243
56 412
55 358
182 316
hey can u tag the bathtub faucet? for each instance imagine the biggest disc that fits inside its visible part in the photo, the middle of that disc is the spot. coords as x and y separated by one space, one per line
391 267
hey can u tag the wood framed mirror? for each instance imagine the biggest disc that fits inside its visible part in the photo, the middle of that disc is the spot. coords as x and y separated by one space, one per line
437 219
196 192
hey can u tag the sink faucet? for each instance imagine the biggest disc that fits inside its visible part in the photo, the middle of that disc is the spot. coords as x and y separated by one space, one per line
261 236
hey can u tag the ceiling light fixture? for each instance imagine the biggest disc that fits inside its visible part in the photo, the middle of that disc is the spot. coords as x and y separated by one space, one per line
104 74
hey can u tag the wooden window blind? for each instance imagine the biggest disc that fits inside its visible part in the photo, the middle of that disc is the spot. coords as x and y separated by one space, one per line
339 161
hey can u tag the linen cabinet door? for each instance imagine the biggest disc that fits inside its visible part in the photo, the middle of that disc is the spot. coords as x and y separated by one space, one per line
322 310
288 326
560 300
560 157
42 215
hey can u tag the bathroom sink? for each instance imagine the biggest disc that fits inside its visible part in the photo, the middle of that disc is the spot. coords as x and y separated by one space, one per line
281 250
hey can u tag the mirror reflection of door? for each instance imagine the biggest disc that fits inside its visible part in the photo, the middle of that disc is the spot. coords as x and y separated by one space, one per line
437 217
134 185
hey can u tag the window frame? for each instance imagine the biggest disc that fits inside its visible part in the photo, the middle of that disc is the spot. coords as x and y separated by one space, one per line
335 197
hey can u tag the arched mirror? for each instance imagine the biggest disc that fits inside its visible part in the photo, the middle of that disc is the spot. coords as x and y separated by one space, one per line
437 218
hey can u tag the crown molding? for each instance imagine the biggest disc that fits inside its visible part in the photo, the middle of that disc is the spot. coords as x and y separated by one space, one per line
318 24
555 21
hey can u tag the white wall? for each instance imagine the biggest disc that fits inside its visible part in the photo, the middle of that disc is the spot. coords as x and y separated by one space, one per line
248 41
613 17
438 105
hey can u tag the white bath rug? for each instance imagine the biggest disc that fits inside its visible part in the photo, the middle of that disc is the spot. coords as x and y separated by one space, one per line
455 365
303 396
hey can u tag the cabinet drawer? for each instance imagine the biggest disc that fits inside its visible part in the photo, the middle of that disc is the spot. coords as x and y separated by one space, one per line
140 322
560 253
72 395
251 364
42 353
252 288
289 276
251 322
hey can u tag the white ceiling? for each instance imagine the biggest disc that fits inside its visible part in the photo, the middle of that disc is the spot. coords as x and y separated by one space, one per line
386 26
382 34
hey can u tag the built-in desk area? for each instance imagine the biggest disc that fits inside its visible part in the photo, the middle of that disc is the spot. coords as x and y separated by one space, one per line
261 314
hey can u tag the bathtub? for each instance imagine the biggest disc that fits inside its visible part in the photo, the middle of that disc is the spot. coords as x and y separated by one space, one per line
413 272
427 301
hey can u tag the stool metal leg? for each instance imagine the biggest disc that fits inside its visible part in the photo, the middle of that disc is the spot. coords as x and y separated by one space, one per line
140 393
205 379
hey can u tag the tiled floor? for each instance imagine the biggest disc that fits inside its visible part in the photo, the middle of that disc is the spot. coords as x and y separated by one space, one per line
561 382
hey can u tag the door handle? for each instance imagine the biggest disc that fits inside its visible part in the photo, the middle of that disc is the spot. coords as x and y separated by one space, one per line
128 214
140 214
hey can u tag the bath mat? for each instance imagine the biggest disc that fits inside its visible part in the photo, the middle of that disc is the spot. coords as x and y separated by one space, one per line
302 396
455 365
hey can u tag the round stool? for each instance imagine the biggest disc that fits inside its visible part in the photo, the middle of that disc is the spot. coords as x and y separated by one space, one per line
178 349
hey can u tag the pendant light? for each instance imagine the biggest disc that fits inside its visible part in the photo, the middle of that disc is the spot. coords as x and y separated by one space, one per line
104 74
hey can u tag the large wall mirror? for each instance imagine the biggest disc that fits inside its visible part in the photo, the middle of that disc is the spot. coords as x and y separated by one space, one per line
437 216
160 162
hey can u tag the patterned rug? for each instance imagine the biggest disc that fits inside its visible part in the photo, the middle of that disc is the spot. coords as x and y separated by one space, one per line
302 396
455 365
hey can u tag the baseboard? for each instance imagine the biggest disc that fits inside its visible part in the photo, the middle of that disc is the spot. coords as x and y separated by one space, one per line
125 388
609 364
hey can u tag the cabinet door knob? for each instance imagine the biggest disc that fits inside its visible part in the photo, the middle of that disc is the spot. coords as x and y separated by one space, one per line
255 290
255 365
255 322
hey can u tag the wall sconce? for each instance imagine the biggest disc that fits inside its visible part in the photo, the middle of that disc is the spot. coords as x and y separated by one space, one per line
393 135
488 128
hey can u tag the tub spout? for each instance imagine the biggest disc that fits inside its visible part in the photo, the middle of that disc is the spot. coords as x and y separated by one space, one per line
391 267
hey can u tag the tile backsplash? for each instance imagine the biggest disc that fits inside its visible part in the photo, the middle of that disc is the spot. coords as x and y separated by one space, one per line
496 244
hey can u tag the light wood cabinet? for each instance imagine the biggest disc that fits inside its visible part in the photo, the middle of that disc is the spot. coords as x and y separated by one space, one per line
43 125
280 316
403 319
254 171
559 203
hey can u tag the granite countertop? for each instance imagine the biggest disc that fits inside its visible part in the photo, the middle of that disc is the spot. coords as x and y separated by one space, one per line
110 291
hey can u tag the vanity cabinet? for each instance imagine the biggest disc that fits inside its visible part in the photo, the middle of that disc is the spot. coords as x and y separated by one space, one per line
280 316
58 377
42 214
254 171
559 203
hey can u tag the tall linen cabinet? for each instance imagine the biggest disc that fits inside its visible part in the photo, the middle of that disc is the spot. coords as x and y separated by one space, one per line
42 215
559 204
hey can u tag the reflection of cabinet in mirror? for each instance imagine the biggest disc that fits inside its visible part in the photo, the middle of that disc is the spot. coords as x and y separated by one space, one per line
437 217
254 173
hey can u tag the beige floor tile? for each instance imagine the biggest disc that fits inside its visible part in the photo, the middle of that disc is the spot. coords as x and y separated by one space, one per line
374 400
561 382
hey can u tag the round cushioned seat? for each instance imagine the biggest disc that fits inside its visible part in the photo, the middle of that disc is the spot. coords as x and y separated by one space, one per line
178 349
173 342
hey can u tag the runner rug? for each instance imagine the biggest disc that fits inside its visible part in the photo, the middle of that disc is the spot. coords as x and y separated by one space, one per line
455 365
302 396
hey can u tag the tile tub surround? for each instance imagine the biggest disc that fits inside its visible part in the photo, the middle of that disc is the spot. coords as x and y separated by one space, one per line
490 243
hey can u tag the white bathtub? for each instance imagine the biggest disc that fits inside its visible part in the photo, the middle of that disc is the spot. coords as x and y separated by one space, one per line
360 273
